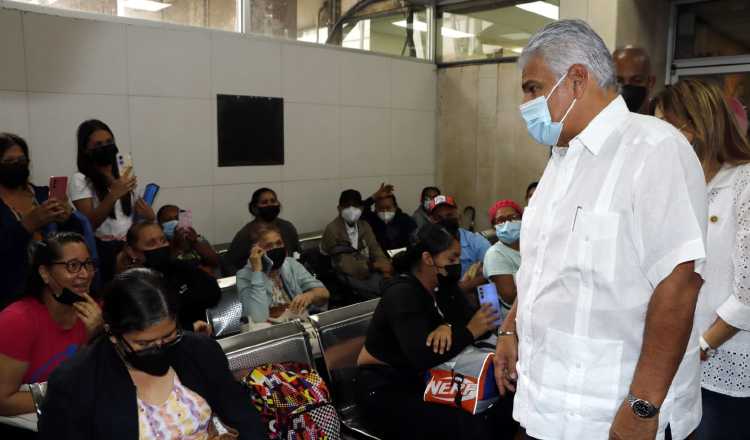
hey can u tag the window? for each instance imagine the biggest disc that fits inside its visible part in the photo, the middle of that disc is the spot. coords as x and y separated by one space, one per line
712 28
215 14
474 32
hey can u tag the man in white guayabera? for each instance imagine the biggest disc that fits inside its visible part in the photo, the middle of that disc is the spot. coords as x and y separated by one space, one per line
600 342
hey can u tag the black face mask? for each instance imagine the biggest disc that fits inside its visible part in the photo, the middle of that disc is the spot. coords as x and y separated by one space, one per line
14 175
158 259
450 225
278 256
268 213
452 276
153 361
104 155
634 96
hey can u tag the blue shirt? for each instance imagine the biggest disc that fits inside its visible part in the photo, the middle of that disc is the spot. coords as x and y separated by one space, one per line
473 248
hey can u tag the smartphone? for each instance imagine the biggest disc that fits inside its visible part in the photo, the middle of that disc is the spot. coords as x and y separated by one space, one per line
149 194
124 162
58 187
185 219
487 294
267 264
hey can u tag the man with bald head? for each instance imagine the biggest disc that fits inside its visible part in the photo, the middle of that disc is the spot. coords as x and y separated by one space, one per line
634 77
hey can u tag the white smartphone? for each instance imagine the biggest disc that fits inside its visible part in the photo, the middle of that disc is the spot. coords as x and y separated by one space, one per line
124 163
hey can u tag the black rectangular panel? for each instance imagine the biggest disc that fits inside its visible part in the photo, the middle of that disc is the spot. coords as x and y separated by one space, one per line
251 130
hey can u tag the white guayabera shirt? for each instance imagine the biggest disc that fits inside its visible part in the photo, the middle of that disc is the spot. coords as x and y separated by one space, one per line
613 215
726 292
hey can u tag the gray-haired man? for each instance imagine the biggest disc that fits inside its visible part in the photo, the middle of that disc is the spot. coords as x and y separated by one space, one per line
607 286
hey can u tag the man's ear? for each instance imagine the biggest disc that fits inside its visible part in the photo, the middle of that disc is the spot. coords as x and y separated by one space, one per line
578 74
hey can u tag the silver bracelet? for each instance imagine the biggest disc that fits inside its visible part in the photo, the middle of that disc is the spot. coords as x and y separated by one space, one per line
505 333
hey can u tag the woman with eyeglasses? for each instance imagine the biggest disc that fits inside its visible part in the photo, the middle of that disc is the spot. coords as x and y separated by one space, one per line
146 379
55 319
26 213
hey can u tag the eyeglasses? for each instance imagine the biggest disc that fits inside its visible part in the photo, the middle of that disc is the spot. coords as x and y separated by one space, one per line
173 339
74 266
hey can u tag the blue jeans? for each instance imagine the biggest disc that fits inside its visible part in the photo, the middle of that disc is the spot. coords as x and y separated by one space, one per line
724 417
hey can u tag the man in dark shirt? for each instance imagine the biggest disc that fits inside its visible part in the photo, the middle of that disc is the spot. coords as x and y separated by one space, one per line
391 226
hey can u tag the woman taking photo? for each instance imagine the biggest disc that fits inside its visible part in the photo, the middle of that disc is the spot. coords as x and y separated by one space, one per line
422 321
267 290
48 326
26 213
145 378
265 207
103 195
722 317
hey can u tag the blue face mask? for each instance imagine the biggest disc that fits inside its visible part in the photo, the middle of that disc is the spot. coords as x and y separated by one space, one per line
169 228
508 232
539 121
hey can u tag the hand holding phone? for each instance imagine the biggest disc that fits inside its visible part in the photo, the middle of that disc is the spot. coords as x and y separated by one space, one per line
149 194
487 294
185 219
58 187
124 163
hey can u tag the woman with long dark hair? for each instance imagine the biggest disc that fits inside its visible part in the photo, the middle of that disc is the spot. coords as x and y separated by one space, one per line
103 195
55 318
700 110
422 320
27 213
147 378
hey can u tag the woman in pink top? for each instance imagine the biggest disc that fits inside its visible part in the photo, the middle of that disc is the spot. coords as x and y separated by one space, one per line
51 323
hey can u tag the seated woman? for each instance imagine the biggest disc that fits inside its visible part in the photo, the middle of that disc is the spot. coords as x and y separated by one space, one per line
272 281
26 213
48 326
265 207
422 321
503 259
147 246
146 379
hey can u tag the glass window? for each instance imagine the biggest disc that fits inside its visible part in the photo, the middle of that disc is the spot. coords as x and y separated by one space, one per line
478 33
713 28
215 14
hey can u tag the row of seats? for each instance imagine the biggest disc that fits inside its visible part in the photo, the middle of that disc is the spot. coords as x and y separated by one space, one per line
339 334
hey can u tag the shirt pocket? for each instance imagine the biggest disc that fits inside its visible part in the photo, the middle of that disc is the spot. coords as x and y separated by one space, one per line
592 246
581 375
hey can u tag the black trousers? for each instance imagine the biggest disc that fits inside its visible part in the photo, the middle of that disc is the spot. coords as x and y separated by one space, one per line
391 402
724 417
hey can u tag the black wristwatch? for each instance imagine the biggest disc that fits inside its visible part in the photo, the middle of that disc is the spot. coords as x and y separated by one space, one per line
642 408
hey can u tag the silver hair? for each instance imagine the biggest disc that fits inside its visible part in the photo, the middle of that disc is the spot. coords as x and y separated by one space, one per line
564 43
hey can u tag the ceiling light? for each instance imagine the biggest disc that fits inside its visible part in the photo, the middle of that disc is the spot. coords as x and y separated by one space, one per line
542 8
146 5
516 36
421 26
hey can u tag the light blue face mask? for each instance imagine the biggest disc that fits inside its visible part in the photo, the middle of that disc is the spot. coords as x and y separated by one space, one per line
539 121
508 232
169 228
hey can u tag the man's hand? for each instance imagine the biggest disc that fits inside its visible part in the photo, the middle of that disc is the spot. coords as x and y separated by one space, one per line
628 426
506 357
301 302
385 190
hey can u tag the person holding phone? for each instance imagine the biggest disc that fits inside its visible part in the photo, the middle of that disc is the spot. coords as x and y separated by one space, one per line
147 378
27 212
55 318
104 193
147 246
187 244
272 282
422 320
503 259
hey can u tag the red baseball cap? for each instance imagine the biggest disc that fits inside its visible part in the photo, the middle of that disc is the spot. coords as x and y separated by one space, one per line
503 204
442 200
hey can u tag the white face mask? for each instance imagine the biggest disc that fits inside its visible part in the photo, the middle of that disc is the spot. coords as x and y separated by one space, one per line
351 214
386 216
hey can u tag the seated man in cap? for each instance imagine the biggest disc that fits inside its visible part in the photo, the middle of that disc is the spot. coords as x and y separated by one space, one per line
444 211
504 258
354 251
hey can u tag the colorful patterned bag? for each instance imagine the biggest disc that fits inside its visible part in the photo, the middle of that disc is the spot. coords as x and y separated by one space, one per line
294 402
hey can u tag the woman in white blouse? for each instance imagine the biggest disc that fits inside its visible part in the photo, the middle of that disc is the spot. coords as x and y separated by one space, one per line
722 317
103 195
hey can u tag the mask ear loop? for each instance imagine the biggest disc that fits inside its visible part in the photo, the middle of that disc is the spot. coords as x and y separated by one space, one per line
555 87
